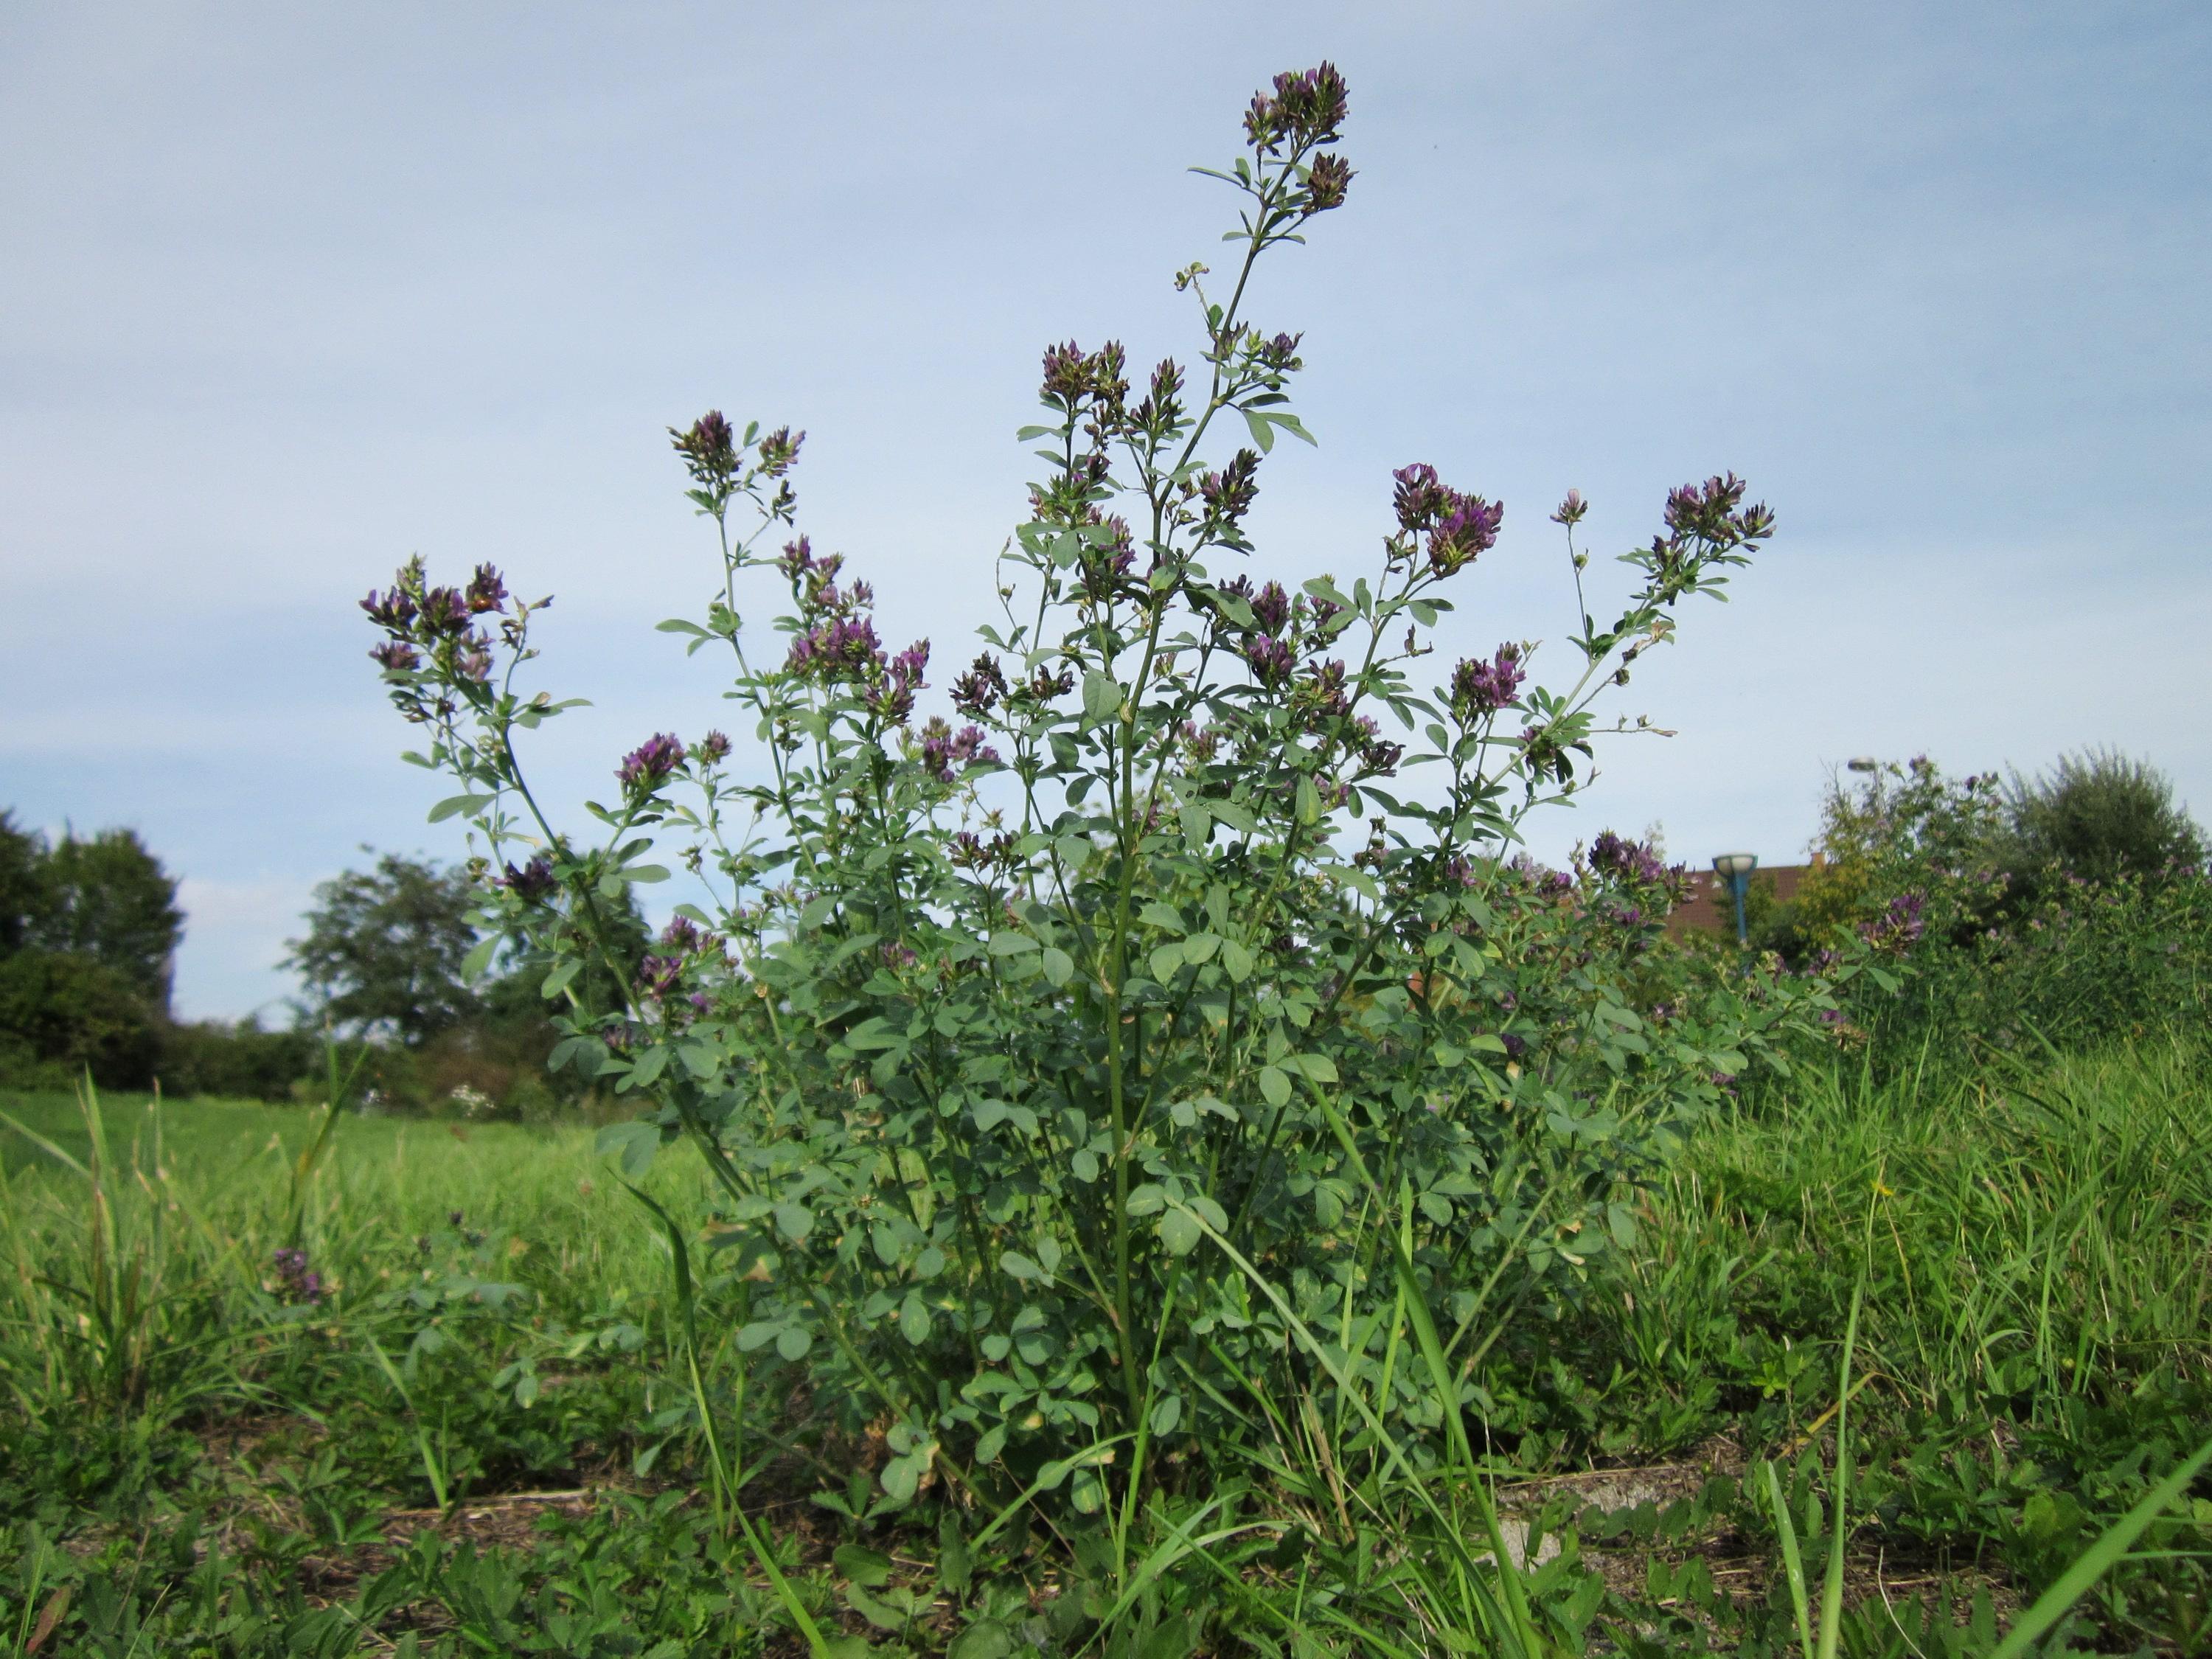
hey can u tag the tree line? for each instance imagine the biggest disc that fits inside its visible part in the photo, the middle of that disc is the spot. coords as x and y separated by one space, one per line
89 929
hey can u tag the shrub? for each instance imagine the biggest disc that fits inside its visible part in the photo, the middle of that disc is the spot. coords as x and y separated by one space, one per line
1998 940
2100 816
63 1013
1068 1070
238 1061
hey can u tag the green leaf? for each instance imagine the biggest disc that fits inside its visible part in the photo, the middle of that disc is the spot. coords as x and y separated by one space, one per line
1275 1085
1020 1266
645 873
1236 961
1059 966
1308 800
794 1221
1237 817
792 1342
1262 429
700 1059
678 625
455 804
479 958
1148 1200
1012 944
1166 961
913 1319
636 1143
986 1639
1167 1414
1180 1232
864 1566
1101 696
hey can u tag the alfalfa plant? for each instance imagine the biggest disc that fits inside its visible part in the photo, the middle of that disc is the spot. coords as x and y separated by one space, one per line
1202 939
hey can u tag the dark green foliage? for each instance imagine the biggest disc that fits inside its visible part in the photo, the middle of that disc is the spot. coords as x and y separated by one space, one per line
62 1013
385 947
89 932
109 898
240 1062
2101 817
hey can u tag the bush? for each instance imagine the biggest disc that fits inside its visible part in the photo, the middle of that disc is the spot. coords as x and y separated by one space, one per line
63 1013
1067 1073
240 1062
1995 939
2099 817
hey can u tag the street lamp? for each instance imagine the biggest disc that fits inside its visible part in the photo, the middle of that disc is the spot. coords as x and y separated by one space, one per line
1736 868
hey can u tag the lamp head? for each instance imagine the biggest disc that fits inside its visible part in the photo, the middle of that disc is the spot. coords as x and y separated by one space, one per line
1734 864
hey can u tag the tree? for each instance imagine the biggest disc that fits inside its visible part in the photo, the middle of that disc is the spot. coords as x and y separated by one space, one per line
2100 816
109 898
384 948
22 884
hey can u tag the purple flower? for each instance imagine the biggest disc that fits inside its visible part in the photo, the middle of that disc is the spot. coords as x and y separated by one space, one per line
396 656
709 449
711 749
445 610
1307 108
1570 509
980 687
658 975
1419 497
645 765
1470 528
942 750
295 1282
1269 659
1328 183
534 882
779 450
487 592
1480 688
1899 927
836 648
393 608
1229 493
1272 606
1629 860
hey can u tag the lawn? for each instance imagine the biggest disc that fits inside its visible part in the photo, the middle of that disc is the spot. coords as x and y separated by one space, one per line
463 1418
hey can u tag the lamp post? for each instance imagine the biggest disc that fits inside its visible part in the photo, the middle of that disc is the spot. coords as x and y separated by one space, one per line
1736 868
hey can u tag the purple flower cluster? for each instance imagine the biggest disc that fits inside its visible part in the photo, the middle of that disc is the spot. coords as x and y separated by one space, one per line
1270 659
1229 494
534 883
980 687
296 1281
1460 527
1899 926
645 765
1072 375
711 749
891 694
943 750
1307 108
1628 860
1480 688
417 618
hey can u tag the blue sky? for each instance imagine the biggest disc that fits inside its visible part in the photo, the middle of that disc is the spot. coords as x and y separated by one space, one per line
292 292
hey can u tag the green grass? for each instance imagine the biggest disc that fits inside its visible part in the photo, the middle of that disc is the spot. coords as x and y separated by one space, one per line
198 1460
